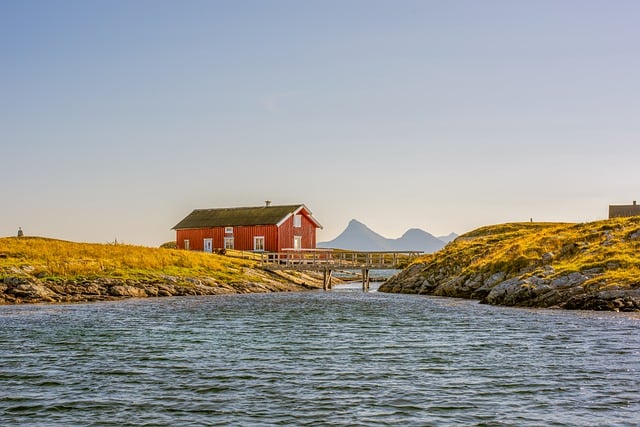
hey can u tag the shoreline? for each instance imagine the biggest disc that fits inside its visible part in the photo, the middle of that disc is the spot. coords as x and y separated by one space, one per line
42 270
564 293
17 290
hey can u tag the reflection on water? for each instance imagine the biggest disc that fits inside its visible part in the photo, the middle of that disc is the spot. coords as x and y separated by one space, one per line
356 287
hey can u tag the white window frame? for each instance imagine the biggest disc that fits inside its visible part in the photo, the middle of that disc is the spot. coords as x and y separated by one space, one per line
255 243
299 240
297 220
228 230
228 240
186 245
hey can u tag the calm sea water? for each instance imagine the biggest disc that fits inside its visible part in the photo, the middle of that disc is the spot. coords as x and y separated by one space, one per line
317 358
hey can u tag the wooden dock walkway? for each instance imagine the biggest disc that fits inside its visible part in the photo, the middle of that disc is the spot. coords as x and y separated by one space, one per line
329 260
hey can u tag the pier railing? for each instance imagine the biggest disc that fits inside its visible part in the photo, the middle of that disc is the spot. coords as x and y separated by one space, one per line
323 259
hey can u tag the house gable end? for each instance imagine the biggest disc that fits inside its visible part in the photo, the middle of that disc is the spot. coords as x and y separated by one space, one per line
306 212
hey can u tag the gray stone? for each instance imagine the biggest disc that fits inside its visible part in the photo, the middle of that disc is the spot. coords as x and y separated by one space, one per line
495 279
32 291
570 280
592 272
547 257
127 291
501 291
634 236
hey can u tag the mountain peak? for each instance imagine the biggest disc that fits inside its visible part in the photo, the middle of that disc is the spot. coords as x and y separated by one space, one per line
355 225
358 237
414 232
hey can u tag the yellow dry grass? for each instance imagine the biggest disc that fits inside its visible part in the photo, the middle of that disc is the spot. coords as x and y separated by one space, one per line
52 259
610 247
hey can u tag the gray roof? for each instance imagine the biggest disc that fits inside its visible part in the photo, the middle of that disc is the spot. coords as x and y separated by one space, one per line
233 217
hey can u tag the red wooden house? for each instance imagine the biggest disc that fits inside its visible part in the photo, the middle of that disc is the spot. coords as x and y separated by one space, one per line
264 228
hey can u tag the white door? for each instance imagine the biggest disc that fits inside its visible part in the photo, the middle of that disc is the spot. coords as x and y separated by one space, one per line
208 245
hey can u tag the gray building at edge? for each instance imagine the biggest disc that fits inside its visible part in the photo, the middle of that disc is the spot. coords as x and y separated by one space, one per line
620 211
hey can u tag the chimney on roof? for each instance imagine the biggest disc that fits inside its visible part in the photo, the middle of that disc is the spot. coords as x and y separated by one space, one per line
634 203
267 203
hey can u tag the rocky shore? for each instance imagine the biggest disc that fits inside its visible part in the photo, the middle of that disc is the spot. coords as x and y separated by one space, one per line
26 289
564 291
44 270
571 266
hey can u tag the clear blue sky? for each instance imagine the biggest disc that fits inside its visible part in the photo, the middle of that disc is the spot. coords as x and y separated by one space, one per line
117 118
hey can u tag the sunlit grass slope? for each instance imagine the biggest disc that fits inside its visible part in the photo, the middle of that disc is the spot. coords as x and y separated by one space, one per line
56 259
609 250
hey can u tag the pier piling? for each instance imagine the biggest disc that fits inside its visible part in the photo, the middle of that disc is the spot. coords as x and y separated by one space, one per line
326 280
365 280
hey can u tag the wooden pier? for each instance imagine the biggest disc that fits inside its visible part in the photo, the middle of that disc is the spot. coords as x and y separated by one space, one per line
329 260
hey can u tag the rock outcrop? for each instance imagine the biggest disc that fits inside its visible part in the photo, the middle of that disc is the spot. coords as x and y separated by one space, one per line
592 266
26 289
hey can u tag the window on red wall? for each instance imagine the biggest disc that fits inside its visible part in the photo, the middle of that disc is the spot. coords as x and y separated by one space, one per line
258 243
297 220
228 242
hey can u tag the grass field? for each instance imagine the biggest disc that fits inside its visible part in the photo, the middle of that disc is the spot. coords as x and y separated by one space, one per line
57 259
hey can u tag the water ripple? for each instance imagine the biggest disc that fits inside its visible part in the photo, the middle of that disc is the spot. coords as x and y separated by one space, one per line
314 359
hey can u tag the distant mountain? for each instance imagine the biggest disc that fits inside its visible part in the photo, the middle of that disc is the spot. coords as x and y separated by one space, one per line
419 240
359 237
448 238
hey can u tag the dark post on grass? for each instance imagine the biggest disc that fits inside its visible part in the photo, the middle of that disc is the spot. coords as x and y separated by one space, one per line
20 232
